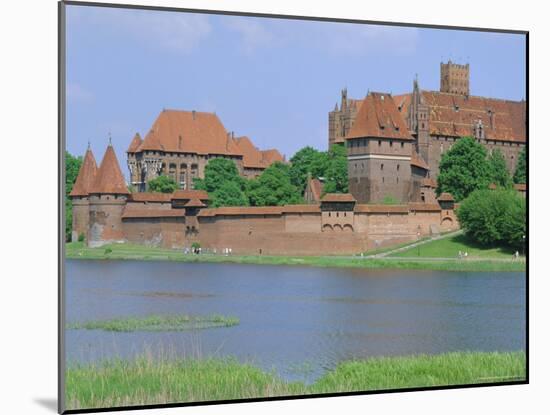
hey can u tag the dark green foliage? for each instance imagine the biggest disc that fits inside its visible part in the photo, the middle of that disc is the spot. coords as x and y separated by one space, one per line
108 250
331 165
195 245
72 167
220 171
463 169
302 165
494 217
223 183
499 172
229 193
162 184
81 237
273 187
520 175
336 172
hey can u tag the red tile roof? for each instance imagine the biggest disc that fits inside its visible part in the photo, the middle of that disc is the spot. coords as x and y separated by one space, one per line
190 194
86 175
189 132
379 117
521 187
418 161
194 203
424 207
109 178
492 186
254 158
271 156
446 197
134 145
301 209
150 197
454 115
338 197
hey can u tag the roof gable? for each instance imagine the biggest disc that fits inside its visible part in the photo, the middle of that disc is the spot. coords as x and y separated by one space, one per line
109 178
86 175
379 117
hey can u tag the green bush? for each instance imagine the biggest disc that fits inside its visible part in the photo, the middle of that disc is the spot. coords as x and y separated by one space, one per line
81 237
195 245
494 217
108 251
162 184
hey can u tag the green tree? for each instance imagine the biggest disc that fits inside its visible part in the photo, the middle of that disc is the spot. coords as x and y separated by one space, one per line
520 175
494 217
72 167
336 173
229 193
463 169
302 165
162 184
498 170
273 187
220 171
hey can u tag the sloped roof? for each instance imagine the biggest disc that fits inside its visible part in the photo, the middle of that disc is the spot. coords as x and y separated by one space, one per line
253 157
446 197
86 175
134 145
109 178
245 210
424 207
455 115
379 117
190 194
380 208
418 161
429 182
338 197
189 132
151 213
195 203
520 187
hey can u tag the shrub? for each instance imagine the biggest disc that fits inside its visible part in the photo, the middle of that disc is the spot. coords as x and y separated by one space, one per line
108 251
81 237
494 217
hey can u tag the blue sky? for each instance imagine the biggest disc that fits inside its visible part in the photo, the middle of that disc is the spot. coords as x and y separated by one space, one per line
273 80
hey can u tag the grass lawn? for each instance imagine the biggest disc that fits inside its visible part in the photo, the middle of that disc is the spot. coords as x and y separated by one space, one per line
449 248
146 381
77 250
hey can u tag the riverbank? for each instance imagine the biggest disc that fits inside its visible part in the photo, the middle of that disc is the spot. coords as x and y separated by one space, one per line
77 250
145 381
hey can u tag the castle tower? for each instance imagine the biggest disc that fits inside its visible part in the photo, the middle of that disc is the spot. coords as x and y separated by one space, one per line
80 196
379 148
136 178
419 121
455 78
108 196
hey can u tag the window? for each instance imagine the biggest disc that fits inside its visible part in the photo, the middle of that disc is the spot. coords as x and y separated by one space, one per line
402 145
398 167
391 143
379 143
382 166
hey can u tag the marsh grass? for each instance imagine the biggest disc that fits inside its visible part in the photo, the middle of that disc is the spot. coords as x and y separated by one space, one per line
157 323
146 380
77 250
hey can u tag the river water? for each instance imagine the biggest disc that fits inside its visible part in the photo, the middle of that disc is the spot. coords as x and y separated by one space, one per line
297 321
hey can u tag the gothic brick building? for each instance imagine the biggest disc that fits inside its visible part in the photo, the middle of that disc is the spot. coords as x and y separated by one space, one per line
180 144
423 125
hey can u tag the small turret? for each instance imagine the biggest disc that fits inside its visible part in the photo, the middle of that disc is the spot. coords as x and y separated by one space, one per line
108 196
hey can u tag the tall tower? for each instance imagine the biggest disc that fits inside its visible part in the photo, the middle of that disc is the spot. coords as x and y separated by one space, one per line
108 196
419 121
455 78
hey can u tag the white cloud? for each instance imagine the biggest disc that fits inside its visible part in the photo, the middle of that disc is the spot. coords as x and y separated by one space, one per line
77 93
180 32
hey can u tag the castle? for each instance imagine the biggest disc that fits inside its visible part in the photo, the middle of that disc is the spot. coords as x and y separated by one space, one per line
394 145
180 143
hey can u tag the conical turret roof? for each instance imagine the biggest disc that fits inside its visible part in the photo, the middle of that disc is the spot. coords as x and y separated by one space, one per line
109 178
86 175
134 145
